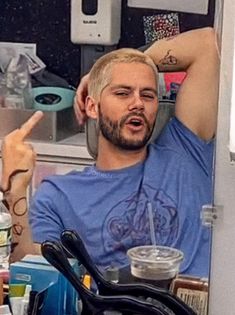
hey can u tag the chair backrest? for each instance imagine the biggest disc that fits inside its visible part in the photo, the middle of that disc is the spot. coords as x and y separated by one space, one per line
165 112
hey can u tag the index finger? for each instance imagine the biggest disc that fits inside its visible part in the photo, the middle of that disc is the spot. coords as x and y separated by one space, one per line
28 126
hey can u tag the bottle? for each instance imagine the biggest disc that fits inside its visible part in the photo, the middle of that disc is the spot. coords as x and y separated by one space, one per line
25 301
33 303
112 274
5 236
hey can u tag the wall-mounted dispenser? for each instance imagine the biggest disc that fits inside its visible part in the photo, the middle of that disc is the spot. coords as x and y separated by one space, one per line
96 22
191 6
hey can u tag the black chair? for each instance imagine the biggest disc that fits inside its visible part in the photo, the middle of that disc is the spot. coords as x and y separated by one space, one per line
128 299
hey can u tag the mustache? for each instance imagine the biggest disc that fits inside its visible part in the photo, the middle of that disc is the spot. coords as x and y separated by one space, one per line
133 114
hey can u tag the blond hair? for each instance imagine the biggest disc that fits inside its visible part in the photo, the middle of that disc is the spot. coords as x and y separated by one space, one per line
100 74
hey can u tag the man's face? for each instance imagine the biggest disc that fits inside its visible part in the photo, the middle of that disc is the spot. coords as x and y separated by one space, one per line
128 106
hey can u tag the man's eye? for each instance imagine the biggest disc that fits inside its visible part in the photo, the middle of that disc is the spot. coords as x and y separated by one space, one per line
148 96
121 93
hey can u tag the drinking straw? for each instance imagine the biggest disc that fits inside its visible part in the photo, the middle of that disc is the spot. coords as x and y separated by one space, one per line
151 223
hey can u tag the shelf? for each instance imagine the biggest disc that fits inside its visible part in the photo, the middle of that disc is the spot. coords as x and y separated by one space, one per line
70 150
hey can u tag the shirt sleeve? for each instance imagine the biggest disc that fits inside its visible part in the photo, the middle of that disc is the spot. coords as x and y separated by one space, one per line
178 137
44 216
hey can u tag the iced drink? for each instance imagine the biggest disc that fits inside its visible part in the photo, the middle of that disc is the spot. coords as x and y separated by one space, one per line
156 265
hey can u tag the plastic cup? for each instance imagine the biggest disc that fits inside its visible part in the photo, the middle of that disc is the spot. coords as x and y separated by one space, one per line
157 265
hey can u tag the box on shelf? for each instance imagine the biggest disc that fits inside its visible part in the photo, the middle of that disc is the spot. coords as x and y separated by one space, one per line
60 298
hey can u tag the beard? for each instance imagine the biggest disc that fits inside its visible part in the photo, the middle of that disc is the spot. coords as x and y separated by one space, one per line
112 131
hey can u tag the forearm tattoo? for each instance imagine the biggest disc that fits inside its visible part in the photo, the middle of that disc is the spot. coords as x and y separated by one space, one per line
17 229
11 177
19 208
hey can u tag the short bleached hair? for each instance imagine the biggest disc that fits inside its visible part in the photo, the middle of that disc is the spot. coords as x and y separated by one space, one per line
100 74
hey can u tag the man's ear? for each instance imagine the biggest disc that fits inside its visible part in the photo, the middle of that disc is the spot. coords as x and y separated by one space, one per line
91 107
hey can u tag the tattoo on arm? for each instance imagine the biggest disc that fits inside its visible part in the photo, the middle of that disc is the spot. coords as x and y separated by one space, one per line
12 175
19 208
17 229
168 60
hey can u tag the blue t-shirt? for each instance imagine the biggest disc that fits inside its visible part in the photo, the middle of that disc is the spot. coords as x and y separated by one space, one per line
109 208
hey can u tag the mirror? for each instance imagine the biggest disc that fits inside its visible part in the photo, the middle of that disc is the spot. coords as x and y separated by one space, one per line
64 59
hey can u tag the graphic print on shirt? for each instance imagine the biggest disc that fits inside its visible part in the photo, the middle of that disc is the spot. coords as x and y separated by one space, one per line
127 223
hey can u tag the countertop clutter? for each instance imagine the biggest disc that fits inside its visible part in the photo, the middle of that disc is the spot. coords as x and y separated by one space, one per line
51 294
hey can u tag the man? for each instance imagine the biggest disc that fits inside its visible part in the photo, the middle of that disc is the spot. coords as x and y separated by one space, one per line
107 203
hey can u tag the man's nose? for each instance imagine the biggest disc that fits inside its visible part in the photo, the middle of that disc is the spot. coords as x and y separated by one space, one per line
136 103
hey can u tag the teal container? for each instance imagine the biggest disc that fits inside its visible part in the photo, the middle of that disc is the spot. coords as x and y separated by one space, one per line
50 98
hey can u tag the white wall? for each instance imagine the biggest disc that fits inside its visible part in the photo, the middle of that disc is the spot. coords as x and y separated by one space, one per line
222 288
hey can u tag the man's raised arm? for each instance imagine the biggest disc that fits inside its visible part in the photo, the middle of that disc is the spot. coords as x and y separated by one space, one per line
196 53
18 161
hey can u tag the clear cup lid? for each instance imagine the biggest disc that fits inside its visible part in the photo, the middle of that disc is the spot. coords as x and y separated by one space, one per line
155 262
154 254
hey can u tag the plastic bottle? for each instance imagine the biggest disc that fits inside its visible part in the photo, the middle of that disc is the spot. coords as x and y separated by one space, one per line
5 236
112 274
25 301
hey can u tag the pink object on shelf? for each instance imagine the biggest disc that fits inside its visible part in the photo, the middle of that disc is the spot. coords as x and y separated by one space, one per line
176 77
